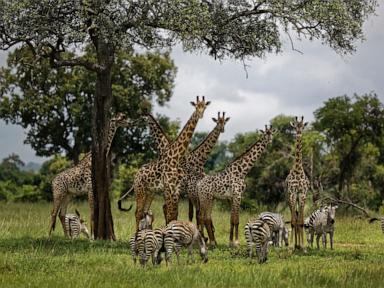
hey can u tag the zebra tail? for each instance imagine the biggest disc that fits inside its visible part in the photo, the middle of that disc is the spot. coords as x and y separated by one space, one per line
119 204
373 220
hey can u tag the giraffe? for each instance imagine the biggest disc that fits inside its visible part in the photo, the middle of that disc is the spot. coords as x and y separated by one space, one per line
229 184
164 174
193 163
161 139
77 180
297 184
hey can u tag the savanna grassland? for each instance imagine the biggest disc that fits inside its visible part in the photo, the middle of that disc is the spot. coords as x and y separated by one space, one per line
29 259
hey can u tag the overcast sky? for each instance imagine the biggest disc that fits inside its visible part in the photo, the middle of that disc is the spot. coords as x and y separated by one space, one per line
289 83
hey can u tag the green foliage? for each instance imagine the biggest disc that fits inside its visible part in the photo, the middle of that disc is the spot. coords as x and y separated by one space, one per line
56 105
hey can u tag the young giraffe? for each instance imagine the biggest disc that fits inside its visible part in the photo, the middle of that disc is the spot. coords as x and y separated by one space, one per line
77 180
229 184
193 163
297 184
164 174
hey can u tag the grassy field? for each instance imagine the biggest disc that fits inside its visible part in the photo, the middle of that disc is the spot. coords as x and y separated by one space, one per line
29 259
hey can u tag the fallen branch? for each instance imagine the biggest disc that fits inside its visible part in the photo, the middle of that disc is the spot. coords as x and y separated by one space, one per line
350 203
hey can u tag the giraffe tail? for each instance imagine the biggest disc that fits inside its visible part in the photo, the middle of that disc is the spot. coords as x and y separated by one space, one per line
373 220
121 199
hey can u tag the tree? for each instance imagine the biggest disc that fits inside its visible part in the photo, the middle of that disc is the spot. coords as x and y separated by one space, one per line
237 29
349 125
56 105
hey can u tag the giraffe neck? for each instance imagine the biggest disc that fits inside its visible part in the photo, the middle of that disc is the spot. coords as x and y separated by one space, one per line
243 163
161 139
200 154
298 153
111 134
180 146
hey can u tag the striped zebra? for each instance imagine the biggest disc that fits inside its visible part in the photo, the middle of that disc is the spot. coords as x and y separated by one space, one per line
320 223
146 243
258 233
74 225
377 219
277 226
180 234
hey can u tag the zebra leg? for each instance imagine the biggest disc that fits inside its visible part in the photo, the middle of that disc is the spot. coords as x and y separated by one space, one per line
190 253
331 239
317 240
324 240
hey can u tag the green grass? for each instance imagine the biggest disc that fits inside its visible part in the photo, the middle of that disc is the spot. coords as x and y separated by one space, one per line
28 258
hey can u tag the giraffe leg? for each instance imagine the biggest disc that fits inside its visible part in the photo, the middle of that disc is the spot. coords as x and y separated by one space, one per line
58 196
292 207
190 210
140 204
63 211
235 219
209 226
302 198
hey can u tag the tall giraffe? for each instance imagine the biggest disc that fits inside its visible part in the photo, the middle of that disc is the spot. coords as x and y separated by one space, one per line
297 184
161 139
77 180
164 174
193 163
229 184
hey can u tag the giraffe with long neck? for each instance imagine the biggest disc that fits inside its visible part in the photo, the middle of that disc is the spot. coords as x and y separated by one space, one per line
77 180
161 139
297 184
193 163
229 184
163 174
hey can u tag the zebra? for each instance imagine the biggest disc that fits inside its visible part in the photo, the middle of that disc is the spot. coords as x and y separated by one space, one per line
183 233
258 233
320 223
277 226
146 242
74 225
381 220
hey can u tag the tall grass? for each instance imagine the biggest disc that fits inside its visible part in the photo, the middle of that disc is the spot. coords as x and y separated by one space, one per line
29 259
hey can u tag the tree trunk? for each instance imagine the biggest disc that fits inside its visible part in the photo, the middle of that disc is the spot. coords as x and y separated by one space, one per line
103 223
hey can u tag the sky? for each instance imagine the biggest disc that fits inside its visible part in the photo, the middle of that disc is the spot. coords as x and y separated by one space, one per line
289 83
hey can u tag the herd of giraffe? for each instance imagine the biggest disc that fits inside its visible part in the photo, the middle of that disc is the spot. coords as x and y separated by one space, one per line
179 171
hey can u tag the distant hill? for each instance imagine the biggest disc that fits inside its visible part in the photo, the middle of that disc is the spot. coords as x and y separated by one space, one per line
31 166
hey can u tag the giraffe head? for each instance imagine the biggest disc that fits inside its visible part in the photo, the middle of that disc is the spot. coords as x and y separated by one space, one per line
121 120
200 106
221 121
268 133
299 124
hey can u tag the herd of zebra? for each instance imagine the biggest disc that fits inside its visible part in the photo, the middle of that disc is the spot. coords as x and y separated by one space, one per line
266 229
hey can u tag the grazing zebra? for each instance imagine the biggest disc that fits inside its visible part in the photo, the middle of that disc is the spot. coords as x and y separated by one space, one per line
320 223
381 220
146 242
74 225
258 233
183 233
277 226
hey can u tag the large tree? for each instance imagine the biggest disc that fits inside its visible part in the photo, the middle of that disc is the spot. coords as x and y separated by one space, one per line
56 106
349 124
237 29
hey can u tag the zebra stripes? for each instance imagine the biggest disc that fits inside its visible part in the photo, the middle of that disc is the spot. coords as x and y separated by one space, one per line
277 226
321 222
180 234
377 219
74 225
257 233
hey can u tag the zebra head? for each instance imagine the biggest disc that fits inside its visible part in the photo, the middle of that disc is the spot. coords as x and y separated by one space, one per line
331 213
146 222
83 225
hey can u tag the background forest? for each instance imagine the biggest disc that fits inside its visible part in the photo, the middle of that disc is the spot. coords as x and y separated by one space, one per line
343 146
